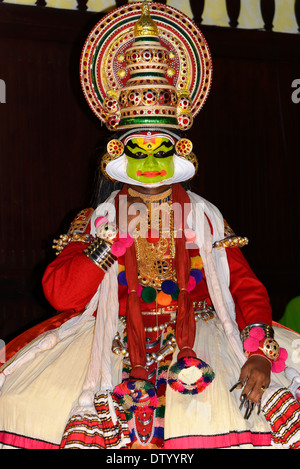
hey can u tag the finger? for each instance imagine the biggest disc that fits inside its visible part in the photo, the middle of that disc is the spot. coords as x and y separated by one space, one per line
237 385
243 375
248 386
259 407
249 409
255 394
243 399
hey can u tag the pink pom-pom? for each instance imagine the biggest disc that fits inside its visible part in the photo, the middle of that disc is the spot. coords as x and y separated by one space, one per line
139 290
283 354
278 366
251 344
126 239
257 333
100 220
190 235
191 284
118 249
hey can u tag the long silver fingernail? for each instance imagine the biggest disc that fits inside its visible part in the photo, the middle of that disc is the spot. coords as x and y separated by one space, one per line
242 401
238 385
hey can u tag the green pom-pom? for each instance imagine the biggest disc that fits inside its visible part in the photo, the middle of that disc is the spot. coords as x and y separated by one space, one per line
148 294
175 295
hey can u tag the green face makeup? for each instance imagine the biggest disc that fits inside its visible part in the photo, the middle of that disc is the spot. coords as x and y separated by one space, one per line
149 159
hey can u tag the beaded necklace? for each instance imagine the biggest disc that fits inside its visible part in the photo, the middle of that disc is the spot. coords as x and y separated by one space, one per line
155 251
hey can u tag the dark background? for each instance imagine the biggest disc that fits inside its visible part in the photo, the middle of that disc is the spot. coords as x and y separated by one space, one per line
246 139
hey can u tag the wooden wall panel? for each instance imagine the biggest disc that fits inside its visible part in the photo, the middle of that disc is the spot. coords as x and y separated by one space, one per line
246 139
48 141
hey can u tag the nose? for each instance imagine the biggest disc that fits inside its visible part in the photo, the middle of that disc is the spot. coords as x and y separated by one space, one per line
151 163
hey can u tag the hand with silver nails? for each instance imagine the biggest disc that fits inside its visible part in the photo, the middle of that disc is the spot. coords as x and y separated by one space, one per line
254 380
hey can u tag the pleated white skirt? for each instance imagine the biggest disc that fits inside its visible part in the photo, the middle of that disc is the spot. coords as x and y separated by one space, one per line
36 399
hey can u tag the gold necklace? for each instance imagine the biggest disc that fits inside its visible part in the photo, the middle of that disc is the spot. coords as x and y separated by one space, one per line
156 260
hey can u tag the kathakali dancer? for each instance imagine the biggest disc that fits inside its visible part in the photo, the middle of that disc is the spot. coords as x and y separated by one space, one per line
165 335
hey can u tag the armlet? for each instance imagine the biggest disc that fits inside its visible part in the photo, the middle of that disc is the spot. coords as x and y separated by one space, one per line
76 231
230 239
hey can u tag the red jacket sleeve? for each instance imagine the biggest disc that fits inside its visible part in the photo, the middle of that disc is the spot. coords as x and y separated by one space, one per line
72 279
249 294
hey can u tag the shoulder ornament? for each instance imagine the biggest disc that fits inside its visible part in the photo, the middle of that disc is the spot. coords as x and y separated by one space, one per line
230 239
76 231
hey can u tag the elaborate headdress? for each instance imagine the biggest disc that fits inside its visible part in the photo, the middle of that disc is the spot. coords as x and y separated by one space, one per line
146 66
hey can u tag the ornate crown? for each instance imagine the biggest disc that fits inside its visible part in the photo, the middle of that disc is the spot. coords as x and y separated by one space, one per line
146 64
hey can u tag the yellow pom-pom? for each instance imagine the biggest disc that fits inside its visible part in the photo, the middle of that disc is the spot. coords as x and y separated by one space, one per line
121 268
163 298
196 262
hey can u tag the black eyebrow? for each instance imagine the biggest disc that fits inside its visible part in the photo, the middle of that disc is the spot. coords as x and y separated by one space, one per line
130 146
167 153
166 144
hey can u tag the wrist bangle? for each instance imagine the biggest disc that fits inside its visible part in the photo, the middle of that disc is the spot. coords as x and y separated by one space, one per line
269 331
99 252
257 342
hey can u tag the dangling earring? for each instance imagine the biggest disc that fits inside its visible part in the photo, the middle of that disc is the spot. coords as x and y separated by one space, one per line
115 149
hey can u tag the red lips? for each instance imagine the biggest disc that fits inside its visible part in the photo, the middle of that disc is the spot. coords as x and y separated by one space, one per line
151 174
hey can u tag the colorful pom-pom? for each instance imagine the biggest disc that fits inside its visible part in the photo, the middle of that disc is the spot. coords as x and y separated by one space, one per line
190 235
282 354
191 284
121 267
197 273
196 262
257 333
118 249
169 287
206 376
278 366
126 239
163 298
148 294
139 290
134 394
122 278
251 344
176 294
